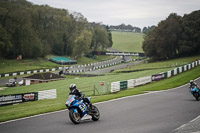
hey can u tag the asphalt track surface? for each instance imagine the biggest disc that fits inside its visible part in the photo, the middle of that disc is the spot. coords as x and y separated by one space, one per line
155 112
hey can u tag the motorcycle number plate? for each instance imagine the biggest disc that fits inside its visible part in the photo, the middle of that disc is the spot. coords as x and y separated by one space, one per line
82 107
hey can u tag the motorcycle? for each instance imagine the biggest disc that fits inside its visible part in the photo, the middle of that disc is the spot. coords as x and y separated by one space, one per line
195 92
78 109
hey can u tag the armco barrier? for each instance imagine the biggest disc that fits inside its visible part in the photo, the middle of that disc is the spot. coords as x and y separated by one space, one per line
29 72
117 86
26 97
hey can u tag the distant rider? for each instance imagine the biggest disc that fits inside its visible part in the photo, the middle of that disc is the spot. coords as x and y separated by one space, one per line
78 94
193 84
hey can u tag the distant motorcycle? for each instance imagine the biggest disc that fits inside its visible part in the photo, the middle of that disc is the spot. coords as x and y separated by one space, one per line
78 109
195 92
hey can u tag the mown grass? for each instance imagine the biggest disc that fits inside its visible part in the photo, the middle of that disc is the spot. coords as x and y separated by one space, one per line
127 41
86 60
85 84
8 66
162 64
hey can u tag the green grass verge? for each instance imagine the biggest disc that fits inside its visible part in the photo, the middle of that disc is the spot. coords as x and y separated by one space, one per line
8 66
86 60
162 64
127 41
37 107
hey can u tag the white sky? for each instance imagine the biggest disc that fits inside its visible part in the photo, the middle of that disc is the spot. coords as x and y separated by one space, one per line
138 13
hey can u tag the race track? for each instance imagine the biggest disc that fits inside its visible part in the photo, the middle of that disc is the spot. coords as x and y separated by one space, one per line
155 112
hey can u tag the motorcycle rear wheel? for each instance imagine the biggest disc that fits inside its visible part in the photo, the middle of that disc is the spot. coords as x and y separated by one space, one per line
96 115
75 117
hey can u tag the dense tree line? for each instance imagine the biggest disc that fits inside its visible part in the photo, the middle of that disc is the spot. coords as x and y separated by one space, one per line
127 28
36 31
148 29
174 37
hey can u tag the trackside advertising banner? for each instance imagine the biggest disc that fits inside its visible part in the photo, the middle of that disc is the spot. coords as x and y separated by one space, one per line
10 99
18 98
157 77
143 80
118 53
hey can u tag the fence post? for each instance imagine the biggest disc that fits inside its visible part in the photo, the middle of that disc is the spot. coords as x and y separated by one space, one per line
94 90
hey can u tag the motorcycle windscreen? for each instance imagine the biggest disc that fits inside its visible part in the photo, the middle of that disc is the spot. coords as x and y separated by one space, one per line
70 99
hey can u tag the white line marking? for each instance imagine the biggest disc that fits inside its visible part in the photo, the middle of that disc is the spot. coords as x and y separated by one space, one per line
97 103
186 124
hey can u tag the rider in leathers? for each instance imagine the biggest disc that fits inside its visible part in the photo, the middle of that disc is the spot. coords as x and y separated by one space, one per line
79 94
193 84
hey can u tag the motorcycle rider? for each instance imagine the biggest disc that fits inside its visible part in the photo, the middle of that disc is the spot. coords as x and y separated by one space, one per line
193 84
74 91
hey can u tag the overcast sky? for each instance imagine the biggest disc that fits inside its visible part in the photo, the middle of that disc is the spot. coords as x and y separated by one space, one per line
138 13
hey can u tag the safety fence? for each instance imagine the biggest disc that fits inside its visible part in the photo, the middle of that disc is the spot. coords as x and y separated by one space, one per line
99 88
123 85
27 97
30 72
70 69
92 67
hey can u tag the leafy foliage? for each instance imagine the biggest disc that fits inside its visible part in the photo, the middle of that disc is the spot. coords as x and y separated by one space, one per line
36 31
173 37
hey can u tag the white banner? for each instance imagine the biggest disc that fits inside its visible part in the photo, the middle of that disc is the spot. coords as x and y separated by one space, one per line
143 80
28 82
115 87
28 72
189 66
47 94
131 83
175 71
169 74
185 67
21 73
14 74
192 64
180 69
196 63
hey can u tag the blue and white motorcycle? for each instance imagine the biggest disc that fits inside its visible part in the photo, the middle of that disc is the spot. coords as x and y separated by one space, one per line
195 92
78 109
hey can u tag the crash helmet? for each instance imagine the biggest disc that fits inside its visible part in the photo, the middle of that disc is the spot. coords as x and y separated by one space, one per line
72 87
191 81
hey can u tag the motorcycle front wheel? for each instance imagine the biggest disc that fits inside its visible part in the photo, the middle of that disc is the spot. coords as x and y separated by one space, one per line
96 115
75 117
196 95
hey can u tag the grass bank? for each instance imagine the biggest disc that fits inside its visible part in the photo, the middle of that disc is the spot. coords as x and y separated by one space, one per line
162 64
127 41
8 66
37 107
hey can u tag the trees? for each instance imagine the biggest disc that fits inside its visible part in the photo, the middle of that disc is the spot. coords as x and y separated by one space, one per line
100 38
82 43
35 31
173 37
190 38
147 29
